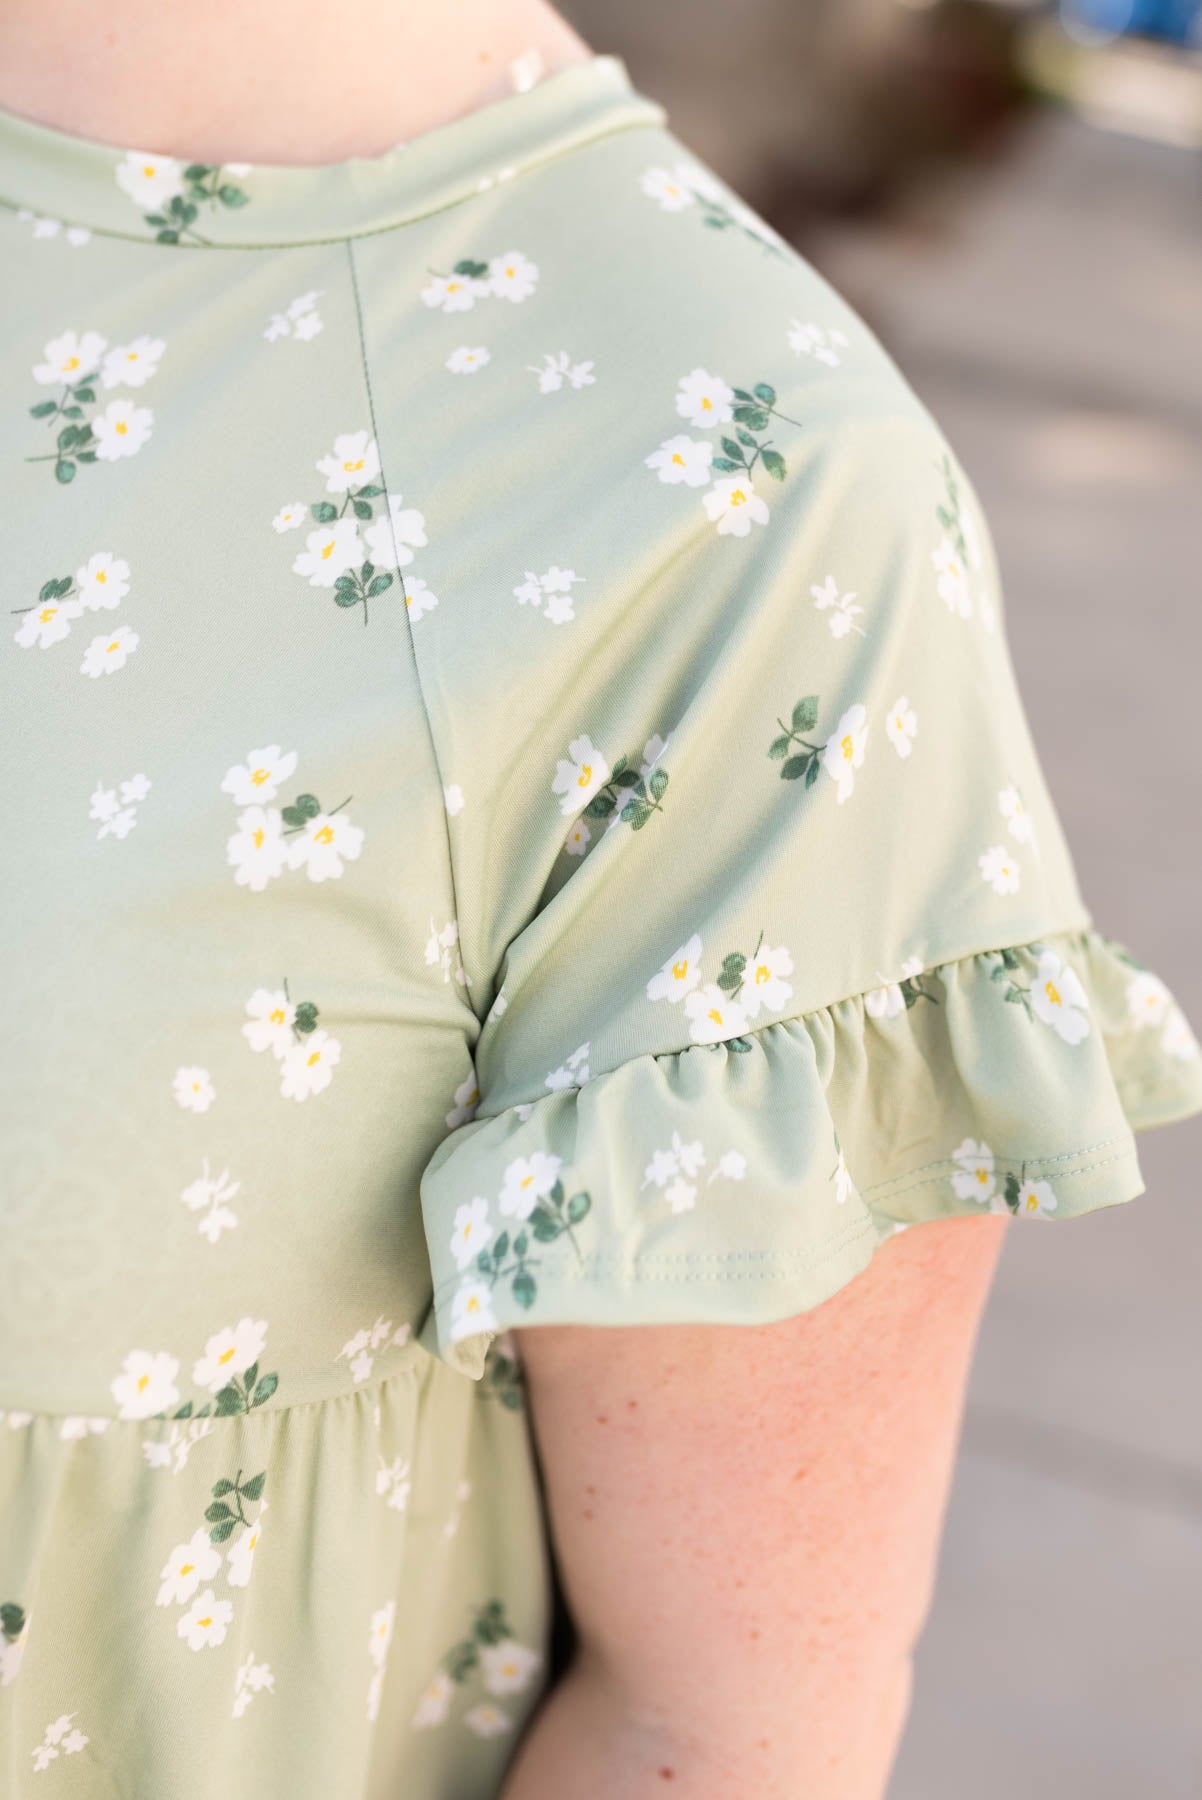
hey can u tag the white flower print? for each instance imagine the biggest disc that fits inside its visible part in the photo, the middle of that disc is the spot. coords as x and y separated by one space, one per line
354 462
578 777
391 539
467 1099
149 180
172 1451
463 1489
60 1737
69 357
146 1384
471 1310
732 1164
79 1427
206 1621
240 1557
252 1678
435 1701
135 790
734 506
682 459
673 1171
418 598
704 399
290 516
323 843
679 975
1036 1199
307 1068
193 1089
272 1016
230 1352
258 850
558 367
713 1015
379 1639
392 1479
467 360
360 1350
12 1650
901 726
844 750
1179 1039
440 944
1149 1001
46 227
1000 869
527 1180
974 1177
512 276
578 839
46 623
106 654
471 1231
573 1073
329 552
845 1187
822 343
487 1720
554 587
259 777
454 293
952 578
300 319
1059 998
102 581
843 613
886 1001
670 190
506 1667
1022 825
132 364
208 1195
453 798
121 429
187 1566
764 987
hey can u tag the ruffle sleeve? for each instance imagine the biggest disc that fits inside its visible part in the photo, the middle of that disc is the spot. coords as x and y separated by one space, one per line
745 1181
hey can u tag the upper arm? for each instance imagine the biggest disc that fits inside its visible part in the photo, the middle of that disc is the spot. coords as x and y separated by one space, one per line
745 1519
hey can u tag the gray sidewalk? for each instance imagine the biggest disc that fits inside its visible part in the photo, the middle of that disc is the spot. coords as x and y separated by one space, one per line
1048 311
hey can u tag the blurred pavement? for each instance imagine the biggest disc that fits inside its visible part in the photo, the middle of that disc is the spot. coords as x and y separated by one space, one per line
1047 309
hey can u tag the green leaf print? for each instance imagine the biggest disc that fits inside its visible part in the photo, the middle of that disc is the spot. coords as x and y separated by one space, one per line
502 1378
803 762
12 1619
203 187
1003 971
489 1626
949 514
643 794
552 1217
228 1506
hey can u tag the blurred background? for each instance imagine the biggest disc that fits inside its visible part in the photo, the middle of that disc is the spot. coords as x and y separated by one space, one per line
1011 196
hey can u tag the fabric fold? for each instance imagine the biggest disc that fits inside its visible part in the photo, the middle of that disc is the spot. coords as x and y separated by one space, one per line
744 1181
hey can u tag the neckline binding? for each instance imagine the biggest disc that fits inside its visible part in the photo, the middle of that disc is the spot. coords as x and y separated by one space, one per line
147 197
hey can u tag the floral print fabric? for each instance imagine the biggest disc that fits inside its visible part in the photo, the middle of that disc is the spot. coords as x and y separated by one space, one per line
520 819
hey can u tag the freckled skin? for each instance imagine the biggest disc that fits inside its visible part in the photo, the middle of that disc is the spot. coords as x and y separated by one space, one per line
757 1555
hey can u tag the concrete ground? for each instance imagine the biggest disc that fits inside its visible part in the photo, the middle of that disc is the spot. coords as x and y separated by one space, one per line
1048 311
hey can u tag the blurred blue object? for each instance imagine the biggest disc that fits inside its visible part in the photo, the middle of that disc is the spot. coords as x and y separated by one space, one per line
1174 21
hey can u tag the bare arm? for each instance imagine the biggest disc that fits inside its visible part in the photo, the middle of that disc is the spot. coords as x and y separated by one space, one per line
747 1522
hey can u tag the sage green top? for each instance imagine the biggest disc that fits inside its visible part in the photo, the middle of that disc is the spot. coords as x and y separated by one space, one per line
520 812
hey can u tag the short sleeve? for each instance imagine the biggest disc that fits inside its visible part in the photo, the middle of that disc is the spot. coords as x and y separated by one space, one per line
802 959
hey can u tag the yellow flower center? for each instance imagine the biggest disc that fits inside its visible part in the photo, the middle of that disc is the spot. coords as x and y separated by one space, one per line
982 1176
847 747
47 613
324 836
143 1383
680 969
115 645
1052 992
148 170
259 776
353 467
101 577
738 497
1031 1201
327 550
715 1015
526 1180
72 362
205 1622
257 836
453 287
131 356
762 973
186 1568
227 1355
277 1017
678 458
585 775
313 1057
121 427
707 404
252 1541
